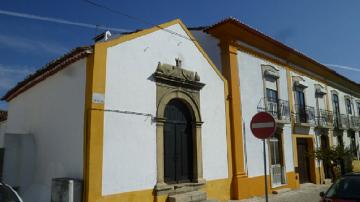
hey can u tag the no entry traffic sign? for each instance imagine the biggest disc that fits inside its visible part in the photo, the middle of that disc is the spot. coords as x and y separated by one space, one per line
263 125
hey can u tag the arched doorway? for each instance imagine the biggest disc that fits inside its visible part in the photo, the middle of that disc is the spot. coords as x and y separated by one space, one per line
178 143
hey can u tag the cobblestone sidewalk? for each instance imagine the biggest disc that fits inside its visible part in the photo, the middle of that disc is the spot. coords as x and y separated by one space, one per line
307 192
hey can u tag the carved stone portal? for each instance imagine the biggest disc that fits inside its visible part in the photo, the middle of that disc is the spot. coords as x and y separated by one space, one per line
173 82
177 76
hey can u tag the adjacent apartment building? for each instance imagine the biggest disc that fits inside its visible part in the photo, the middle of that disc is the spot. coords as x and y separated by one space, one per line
163 114
313 106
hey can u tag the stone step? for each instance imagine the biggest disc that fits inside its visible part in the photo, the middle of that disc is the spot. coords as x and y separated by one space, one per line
279 191
194 196
327 181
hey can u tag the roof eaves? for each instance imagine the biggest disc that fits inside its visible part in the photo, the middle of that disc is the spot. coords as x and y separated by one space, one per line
276 43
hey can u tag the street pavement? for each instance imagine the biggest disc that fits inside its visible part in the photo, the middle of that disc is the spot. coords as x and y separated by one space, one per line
308 192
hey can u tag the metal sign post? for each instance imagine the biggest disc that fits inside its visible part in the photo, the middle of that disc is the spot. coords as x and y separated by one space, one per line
265 174
263 126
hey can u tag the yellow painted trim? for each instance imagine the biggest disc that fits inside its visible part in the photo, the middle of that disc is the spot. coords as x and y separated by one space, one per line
230 72
303 136
254 186
314 174
95 127
95 118
134 196
295 151
88 86
228 131
128 37
201 50
218 189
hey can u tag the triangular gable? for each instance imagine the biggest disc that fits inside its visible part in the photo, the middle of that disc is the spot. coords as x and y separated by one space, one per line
128 37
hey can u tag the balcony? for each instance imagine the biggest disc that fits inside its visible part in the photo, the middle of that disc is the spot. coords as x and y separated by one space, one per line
325 119
355 122
279 109
304 115
341 121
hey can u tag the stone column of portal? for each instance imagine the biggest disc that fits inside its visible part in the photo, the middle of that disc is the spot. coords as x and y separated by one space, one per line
160 153
199 163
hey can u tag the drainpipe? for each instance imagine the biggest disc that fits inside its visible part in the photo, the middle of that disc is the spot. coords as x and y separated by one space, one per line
245 148
318 146
317 141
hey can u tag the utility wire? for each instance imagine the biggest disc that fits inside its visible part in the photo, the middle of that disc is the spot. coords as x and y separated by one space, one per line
125 112
136 19
60 21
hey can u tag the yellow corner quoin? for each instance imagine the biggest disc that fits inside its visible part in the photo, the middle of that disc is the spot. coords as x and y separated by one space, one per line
230 71
94 129
88 87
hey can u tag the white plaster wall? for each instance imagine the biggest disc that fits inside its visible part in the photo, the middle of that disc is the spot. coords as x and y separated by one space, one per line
52 112
129 154
252 91
288 149
2 133
321 101
211 46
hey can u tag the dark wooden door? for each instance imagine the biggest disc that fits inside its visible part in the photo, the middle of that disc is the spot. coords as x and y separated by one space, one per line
300 105
303 160
325 145
178 143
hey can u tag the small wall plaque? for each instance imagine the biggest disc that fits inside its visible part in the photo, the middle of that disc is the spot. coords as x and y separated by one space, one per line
98 98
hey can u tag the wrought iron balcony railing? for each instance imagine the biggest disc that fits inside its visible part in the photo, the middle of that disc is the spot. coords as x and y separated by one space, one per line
278 108
304 114
341 121
355 122
324 118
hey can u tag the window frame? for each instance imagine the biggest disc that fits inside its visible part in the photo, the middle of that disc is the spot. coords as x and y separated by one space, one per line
348 105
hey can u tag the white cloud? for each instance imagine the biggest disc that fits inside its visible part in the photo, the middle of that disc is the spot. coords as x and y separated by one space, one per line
11 74
343 67
22 44
14 69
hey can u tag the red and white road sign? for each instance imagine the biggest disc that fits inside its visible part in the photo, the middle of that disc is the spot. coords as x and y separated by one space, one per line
263 125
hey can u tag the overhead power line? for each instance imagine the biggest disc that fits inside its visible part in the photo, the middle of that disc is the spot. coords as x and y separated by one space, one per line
136 19
60 21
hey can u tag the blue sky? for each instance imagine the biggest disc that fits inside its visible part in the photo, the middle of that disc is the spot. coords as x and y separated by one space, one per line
326 30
